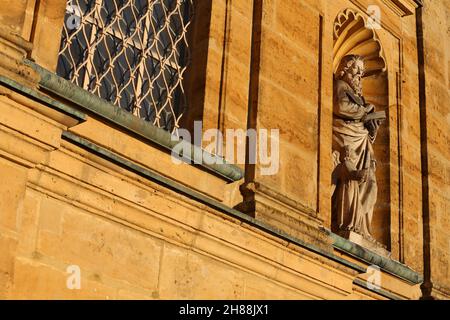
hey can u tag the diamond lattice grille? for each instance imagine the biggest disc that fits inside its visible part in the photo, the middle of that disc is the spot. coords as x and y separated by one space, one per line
132 53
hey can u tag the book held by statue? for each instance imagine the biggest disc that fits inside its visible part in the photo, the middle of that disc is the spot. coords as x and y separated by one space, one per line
379 115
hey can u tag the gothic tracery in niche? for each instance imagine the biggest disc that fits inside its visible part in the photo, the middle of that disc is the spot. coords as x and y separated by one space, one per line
353 37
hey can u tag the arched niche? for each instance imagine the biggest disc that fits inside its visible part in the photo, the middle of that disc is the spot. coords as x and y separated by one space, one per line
353 35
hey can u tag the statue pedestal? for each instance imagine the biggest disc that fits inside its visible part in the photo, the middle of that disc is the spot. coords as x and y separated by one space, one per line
363 242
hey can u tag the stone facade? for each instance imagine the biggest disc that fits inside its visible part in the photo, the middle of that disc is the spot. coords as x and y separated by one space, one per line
81 188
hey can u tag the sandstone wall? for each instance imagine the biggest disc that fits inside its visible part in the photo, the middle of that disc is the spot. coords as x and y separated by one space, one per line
436 24
133 237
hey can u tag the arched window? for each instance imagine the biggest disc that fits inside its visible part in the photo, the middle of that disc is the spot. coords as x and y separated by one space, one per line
133 53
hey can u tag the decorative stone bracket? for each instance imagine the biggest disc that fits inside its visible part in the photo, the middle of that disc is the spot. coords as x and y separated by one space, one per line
13 49
282 212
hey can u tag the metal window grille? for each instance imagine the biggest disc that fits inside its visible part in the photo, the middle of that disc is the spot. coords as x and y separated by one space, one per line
132 53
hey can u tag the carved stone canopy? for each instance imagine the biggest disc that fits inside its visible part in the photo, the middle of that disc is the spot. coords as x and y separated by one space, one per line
353 35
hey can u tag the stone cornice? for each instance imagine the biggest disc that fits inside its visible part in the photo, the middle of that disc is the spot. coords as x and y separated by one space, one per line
107 111
17 90
403 7
390 266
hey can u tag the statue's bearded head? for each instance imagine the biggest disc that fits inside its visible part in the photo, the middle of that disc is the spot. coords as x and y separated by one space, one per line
351 70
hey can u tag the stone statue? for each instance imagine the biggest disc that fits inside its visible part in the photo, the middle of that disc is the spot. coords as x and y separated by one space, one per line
355 126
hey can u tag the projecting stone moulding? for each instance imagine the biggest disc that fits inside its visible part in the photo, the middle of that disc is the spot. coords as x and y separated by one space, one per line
403 7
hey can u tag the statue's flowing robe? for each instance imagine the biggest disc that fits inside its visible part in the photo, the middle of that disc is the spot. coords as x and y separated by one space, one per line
353 200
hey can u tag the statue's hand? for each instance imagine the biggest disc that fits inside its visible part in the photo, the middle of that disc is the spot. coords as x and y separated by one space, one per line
373 126
361 175
369 108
